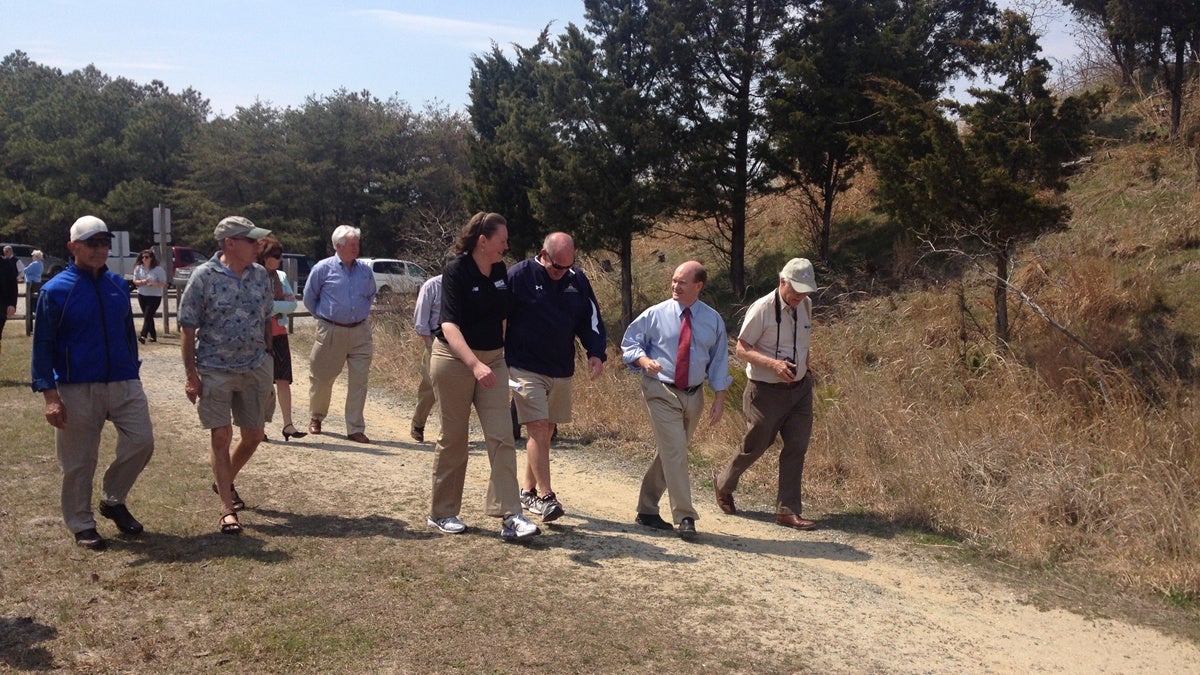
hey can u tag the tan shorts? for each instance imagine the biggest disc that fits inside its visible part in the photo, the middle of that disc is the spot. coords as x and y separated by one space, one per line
244 394
540 397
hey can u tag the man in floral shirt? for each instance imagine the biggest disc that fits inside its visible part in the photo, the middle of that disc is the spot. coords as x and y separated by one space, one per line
226 341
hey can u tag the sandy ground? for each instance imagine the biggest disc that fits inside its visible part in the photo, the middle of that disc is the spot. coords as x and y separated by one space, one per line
837 601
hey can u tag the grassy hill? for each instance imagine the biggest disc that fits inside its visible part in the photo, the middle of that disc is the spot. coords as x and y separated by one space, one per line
1074 450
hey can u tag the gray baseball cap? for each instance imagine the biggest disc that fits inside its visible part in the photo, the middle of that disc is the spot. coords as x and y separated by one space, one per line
238 226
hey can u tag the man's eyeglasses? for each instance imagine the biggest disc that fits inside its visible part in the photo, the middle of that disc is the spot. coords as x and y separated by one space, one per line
243 239
97 242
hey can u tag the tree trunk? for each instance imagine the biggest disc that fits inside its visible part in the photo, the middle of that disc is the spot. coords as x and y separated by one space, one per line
829 192
1176 85
626 281
1000 297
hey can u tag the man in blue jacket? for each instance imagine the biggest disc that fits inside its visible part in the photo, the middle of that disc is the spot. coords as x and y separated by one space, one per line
85 364
553 305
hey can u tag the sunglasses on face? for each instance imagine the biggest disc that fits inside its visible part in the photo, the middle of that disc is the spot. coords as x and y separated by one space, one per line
275 254
97 242
560 268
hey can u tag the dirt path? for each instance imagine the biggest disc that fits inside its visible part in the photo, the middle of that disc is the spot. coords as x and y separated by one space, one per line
837 602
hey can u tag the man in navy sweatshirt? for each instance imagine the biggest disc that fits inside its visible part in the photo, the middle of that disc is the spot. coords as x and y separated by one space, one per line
85 363
553 305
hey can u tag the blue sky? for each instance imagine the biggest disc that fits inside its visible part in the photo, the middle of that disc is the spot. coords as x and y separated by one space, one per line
277 51
235 52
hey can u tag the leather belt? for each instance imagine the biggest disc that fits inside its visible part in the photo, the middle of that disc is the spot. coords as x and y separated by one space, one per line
689 390
781 385
345 325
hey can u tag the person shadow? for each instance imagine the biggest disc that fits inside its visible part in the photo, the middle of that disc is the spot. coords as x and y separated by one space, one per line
19 638
592 542
276 523
161 547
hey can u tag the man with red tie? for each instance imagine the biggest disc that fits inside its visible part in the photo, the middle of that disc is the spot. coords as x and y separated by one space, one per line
677 345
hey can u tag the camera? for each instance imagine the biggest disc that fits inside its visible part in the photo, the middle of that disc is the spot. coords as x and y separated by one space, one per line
791 364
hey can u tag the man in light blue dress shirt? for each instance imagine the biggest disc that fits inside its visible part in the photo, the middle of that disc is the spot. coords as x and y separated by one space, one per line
338 293
651 346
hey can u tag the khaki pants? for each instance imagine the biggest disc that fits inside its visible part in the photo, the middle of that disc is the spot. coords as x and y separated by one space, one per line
457 391
426 396
77 445
335 347
775 410
674 415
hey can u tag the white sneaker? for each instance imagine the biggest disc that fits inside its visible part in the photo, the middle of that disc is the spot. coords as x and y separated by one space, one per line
450 525
518 526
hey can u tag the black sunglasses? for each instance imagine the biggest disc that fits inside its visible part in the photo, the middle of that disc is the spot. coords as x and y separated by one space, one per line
274 254
560 268
97 242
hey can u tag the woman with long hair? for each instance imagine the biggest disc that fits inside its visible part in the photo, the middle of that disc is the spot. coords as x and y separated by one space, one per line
467 368
150 280
270 256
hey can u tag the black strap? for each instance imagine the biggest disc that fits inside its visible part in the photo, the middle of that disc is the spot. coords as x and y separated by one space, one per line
779 320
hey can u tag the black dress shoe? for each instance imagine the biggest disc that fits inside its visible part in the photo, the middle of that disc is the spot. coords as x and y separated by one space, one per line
122 517
90 539
687 528
653 520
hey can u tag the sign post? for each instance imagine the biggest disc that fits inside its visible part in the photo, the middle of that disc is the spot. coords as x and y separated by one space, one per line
162 240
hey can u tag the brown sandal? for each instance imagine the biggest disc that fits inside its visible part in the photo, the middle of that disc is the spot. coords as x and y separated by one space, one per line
238 504
230 526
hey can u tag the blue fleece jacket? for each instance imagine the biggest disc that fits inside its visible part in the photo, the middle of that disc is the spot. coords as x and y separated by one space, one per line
83 331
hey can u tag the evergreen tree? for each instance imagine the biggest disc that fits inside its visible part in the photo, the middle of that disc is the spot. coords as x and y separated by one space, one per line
817 94
993 186
1160 34
607 177
720 51
511 135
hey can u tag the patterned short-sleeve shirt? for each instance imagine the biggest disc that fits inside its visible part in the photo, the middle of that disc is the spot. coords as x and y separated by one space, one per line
228 313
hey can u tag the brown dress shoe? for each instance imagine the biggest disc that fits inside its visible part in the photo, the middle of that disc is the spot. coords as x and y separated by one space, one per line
724 499
794 521
359 437
314 426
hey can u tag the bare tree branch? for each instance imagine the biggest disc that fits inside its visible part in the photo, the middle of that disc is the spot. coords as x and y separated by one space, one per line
1097 362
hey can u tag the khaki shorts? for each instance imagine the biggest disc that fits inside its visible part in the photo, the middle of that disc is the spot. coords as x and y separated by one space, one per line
244 394
540 397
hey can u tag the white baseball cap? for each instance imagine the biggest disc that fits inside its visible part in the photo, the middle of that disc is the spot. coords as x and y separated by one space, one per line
799 273
86 227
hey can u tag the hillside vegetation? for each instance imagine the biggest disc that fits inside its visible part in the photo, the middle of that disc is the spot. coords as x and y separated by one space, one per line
1073 450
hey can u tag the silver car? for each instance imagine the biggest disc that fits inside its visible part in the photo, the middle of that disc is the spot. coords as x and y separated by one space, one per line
395 276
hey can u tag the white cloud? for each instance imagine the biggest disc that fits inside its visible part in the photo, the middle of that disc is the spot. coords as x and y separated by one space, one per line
472 34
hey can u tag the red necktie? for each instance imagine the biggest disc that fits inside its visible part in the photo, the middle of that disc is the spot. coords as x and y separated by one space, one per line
683 356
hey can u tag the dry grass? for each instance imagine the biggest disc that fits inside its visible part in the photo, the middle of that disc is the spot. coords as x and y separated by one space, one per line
985 449
330 576
1042 457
